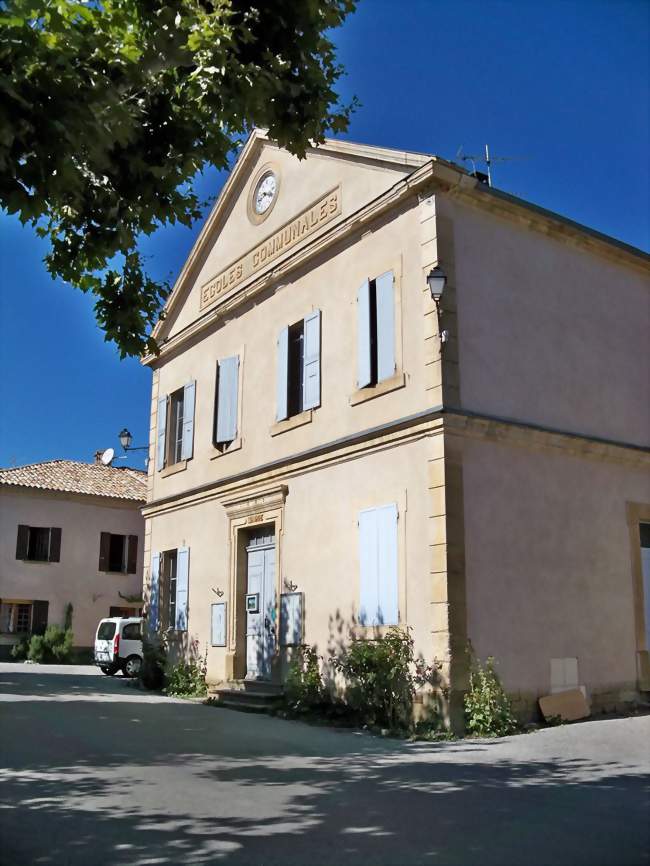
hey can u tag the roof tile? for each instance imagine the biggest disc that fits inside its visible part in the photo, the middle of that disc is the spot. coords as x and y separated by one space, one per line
71 476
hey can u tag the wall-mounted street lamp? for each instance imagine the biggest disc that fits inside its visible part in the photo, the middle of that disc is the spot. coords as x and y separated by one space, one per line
437 280
126 439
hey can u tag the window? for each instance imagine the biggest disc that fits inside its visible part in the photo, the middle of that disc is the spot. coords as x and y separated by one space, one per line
167 606
298 382
226 402
15 618
106 630
118 553
644 532
131 631
376 330
38 544
294 369
124 611
378 589
170 562
175 427
175 444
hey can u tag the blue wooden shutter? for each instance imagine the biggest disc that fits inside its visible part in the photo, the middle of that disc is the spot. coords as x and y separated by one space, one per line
218 624
154 593
387 581
385 326
227 400
291 619
182 586
282 374
368 567
162 428
364 365
188 421
311 361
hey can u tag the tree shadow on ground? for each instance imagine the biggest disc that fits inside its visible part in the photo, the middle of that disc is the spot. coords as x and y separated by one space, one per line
122 783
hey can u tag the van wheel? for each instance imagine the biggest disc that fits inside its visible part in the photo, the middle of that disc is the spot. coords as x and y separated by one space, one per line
132 666
109 670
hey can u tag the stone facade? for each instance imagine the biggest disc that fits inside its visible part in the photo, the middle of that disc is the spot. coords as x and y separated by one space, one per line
505 460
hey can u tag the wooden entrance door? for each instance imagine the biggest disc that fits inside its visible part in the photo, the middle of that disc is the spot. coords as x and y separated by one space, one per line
260 604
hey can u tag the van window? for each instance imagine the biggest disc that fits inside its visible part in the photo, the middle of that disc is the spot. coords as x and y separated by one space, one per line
131 631
106 631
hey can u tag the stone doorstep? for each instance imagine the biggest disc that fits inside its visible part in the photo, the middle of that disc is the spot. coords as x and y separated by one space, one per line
247 696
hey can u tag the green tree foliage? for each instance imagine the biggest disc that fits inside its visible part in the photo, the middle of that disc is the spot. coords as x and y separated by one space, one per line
108 111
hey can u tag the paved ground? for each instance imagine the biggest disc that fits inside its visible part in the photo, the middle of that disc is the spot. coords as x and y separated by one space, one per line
94 772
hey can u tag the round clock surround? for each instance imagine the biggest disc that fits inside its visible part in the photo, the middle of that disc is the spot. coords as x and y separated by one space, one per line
263 193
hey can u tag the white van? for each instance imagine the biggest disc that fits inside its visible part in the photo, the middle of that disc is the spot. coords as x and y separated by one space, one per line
118 645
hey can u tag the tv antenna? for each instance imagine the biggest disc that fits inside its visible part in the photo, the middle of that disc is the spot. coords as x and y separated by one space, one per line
486 159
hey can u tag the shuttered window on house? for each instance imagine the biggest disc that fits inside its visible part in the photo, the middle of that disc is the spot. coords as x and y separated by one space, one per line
376 330
118 553
378 566
38 543
226 402
175 426
299 367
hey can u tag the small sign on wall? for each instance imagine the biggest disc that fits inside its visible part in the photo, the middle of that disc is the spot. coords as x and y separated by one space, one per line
218 624
253 602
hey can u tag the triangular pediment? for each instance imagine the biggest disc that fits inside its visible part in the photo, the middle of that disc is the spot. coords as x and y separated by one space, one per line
248 231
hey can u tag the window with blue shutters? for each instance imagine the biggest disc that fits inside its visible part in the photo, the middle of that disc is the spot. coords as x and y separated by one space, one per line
175 426
376 330
298 367
378 566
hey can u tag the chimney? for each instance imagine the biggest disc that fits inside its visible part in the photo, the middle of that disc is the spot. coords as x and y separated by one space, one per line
98 456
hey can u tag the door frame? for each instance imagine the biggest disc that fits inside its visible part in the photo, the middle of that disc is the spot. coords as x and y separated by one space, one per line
245 513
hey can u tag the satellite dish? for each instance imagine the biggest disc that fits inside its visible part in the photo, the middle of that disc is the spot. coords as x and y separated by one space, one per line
107 456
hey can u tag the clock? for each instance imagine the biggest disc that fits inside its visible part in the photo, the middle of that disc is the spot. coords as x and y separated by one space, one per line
265 192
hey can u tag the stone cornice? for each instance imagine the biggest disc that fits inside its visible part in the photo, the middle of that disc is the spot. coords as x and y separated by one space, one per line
264 500
241 487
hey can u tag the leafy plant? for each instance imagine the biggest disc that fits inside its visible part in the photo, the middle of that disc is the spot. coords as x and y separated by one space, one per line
19 650
111 110
488 711
382 676
154 659
67 617
55 646
37 649
304 689
186 680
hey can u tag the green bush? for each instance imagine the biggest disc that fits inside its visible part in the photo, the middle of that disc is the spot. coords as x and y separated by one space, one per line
186 680
154 659
488 711
304 689
381 677
37 649
54 647
19 650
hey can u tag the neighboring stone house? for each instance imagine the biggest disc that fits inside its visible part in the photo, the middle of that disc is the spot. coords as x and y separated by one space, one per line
69 532
332 454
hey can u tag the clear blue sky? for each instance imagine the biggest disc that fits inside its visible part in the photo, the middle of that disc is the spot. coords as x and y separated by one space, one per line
563 84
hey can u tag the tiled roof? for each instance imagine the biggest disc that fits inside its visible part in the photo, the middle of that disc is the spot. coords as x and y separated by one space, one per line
71 476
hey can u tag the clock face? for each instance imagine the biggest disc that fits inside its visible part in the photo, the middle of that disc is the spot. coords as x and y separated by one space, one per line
265 193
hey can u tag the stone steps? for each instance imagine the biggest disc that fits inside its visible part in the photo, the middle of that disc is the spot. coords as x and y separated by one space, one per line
247 695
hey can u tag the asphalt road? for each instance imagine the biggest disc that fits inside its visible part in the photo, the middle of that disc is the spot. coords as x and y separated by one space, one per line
94 772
